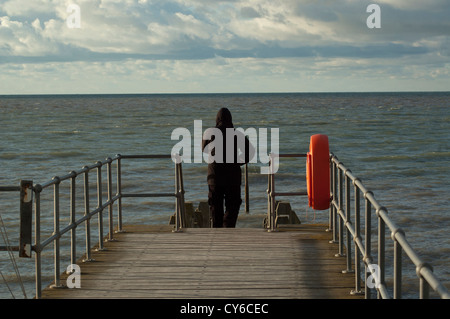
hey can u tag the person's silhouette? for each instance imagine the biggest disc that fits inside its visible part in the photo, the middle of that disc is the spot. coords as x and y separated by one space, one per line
228 150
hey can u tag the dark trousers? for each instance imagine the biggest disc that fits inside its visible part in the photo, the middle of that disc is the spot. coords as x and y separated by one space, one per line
231 195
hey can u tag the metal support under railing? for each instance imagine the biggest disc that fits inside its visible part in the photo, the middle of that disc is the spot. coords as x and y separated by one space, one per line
39 244
272 194
363 247
246 190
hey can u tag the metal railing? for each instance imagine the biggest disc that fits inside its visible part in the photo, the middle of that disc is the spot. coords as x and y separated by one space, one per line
340 216
340 219
102 205
272 194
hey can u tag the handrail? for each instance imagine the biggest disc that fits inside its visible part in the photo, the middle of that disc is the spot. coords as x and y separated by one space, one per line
353 233
102 205
340 216
338 211
272 194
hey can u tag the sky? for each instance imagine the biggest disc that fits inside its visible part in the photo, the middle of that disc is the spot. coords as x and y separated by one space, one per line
214 46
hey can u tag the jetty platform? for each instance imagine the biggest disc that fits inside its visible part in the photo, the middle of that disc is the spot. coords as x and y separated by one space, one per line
186 259
143 261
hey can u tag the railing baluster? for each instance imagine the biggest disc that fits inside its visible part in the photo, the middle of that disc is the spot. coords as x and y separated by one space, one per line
330 213
381 251
341 221
73 233
181 191
246 189
348 220
99 205
367 242
86 213
357 290
397 266
110 206
119 192
273 225
424 286
269 202
56 243
177 201
37 240
424 289
334 217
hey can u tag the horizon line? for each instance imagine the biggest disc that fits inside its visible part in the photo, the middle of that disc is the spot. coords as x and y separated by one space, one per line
216 93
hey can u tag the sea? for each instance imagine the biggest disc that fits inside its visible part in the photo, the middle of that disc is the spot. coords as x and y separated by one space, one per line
398 144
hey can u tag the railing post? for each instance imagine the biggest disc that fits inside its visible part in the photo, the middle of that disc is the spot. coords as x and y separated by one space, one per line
424 289
397 265
26 218
424 286
330 217
348 221
119 192
110 205
177 198
247 201
73 241
99 205
334 217
86 212
37 239
381 249
269 203
273 226
181 191
357 290
367 243
56 246
272 203
341 221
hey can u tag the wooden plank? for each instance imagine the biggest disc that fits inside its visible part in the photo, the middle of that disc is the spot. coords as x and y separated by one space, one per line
153 262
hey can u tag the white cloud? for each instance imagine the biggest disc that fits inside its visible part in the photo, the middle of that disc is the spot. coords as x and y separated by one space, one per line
23 39
309 74
204 45
27 8
417 5
158 27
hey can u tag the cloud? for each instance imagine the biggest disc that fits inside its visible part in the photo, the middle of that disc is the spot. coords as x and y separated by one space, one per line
166 27
416 5
218 34
25 8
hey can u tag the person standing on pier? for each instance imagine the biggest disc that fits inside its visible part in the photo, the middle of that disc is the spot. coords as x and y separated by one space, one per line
228 149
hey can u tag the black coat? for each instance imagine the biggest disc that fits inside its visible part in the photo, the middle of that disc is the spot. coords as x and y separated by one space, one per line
222 171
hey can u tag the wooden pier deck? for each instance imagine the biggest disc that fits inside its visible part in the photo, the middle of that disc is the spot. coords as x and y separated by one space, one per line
153 262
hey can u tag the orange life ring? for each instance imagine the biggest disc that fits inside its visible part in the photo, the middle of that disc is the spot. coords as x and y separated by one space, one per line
318 172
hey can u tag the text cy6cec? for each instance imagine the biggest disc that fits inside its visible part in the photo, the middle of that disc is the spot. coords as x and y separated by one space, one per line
246 308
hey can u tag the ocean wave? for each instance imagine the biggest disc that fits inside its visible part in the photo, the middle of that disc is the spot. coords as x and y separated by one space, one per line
386 158
70 132
432 155
65 154
9 156
42 156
